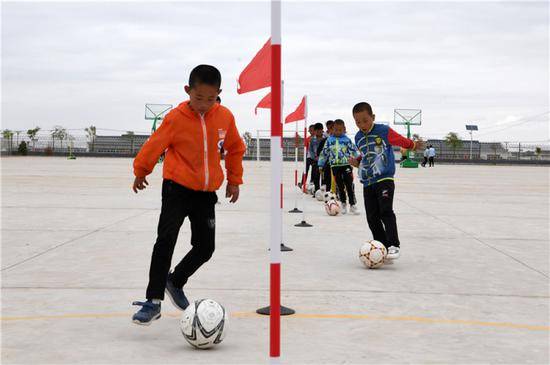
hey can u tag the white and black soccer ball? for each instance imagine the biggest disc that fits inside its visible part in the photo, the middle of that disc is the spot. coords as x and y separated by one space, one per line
373 254
204 323
332 207
319 195
328 195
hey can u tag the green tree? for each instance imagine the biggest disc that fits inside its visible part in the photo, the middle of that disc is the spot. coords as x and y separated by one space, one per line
59 133
22 149
8 136
32 135
538 151
453 141
91 131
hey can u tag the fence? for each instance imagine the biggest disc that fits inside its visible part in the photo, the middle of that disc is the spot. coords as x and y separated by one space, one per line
258 147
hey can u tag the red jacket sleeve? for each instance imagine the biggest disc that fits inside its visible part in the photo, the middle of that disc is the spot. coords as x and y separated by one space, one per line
396 139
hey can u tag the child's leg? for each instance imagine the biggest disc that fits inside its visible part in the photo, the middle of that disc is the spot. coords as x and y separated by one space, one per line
384 192
172 214
338 176
315 174
203 229
373 213
327 177
347 177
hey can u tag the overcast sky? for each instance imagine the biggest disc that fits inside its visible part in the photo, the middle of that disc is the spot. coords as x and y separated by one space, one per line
76 64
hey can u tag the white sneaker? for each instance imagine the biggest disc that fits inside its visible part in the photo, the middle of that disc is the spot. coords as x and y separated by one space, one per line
344 208
353 210
393 253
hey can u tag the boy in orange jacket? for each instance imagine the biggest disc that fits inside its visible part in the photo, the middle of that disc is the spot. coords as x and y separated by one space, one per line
192 135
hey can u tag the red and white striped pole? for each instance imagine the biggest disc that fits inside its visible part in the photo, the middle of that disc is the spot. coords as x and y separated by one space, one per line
276 186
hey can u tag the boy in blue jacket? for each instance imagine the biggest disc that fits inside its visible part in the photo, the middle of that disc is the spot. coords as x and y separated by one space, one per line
337 151
376 170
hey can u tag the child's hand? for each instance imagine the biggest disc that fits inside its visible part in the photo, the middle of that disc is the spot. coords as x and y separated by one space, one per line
232 191
139 184
419 145
353 162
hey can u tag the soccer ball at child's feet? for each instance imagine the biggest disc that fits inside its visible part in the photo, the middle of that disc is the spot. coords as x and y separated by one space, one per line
329 195
319 195
393 253
204 323
332 207
373 254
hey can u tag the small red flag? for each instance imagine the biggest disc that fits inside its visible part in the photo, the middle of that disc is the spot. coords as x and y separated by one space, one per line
257 74
265 103
298 114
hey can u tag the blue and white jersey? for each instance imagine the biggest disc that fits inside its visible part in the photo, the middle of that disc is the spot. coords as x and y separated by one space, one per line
378 161
337 151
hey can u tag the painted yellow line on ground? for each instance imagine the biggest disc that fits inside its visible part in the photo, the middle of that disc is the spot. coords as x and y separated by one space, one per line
302 316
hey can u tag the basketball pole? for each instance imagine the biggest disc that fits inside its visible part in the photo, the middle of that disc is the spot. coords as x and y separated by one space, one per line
276 155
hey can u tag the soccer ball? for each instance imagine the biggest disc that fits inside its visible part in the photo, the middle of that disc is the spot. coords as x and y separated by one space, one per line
373 254
329 195
203 323
319 195
332 207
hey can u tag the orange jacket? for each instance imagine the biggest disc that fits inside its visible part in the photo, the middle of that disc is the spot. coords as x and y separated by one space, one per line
192 143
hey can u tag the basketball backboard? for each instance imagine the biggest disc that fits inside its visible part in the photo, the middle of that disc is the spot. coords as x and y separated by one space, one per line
156 111
407 116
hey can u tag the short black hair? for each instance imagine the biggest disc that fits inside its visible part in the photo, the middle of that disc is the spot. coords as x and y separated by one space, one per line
339 122
205 74
218 100
318 126
311 126
361 107
329 123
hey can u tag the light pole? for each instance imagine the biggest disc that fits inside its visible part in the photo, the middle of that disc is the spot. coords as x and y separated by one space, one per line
471 128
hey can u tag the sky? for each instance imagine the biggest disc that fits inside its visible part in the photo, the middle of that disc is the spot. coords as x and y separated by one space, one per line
77 64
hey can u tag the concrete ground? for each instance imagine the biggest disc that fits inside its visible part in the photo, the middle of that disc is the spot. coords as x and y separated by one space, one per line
472 285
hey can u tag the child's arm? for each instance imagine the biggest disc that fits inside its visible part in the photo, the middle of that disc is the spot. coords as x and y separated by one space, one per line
396 139
234 151
150 152
323 156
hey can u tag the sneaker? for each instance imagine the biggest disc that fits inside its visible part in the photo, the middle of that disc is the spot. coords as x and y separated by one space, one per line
176 295
344 208
393 253
353 210
148 313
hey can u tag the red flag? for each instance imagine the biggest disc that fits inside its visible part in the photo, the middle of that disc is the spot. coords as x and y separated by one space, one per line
298 114
257 74
265 103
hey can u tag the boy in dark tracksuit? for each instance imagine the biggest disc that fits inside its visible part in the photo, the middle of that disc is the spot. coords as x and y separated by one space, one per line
192 135
376 171
312 154
326 178
336 153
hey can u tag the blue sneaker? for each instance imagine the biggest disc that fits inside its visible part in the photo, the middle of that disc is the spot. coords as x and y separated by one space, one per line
176 295
147 314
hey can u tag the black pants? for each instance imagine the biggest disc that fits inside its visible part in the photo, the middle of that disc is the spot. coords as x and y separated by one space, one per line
179 202
315 174
344 180
380 216
326 179
431 160
424 161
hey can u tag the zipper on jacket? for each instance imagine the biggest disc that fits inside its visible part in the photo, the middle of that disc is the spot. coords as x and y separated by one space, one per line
205 141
